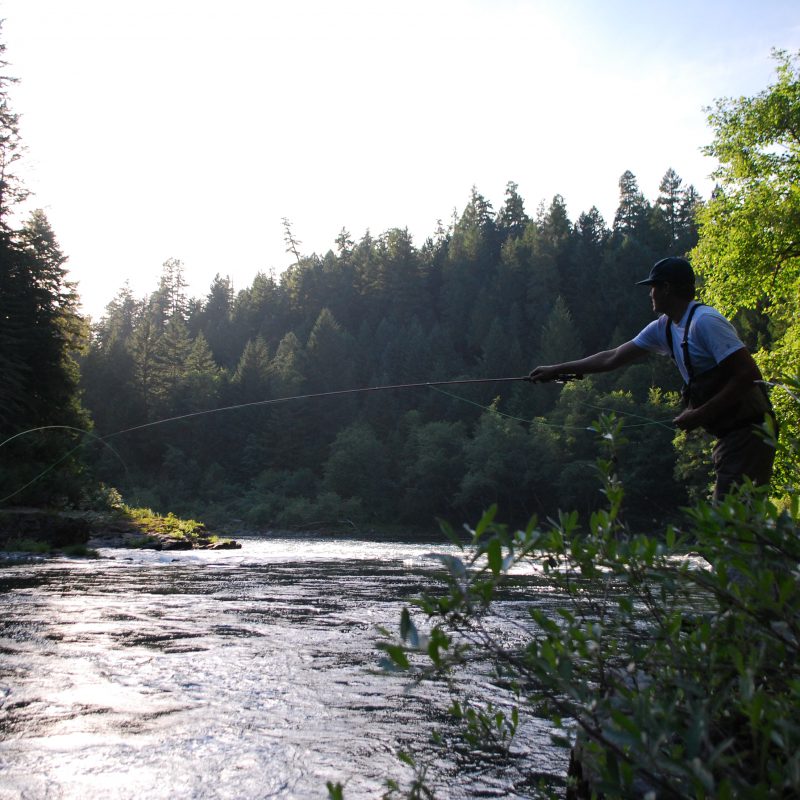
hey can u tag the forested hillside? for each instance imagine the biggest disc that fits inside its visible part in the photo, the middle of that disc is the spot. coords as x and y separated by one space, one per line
491 294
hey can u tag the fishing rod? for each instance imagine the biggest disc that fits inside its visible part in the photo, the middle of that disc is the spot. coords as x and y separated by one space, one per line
561 378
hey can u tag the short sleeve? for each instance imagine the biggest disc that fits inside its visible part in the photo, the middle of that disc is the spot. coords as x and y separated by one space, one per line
653 337
717 336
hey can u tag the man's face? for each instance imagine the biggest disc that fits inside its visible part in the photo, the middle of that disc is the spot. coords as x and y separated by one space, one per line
658 296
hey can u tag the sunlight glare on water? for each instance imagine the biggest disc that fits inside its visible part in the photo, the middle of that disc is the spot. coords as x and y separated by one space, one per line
246 673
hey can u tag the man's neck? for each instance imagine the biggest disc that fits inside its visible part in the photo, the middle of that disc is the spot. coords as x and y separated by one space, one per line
677 309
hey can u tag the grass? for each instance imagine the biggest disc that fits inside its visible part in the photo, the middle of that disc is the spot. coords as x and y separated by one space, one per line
170 525
152 526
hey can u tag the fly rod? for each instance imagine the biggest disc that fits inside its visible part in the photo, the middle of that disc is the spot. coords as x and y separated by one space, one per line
563 378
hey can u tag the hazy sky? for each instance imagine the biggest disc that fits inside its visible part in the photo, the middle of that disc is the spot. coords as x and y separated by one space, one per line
187 129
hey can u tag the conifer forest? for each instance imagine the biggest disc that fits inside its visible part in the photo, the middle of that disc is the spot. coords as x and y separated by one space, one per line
489 295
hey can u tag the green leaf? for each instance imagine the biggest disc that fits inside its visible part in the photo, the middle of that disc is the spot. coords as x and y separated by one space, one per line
408 631
485 521
494 554
406 758
397 654
335 791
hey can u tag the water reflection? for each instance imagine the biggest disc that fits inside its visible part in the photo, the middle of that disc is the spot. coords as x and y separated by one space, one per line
224 674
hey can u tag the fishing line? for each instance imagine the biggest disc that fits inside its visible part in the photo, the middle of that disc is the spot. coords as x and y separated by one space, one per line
559 379
431 384
62 458
545 424
509 416
566 378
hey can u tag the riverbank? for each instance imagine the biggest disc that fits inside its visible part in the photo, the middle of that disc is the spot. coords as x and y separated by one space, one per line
42 530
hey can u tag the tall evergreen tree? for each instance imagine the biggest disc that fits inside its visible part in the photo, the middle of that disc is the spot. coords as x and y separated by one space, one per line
669 203
40 323
171 354
632 210
12 188
251 379
512 219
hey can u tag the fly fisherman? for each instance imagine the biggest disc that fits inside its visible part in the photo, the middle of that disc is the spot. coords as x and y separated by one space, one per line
722 392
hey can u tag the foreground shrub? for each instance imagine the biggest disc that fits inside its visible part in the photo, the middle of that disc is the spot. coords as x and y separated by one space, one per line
672 667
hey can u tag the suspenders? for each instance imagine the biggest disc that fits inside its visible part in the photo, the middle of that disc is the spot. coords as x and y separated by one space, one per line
685 343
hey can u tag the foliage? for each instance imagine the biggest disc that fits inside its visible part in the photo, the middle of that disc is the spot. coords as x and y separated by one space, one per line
749 248
673 663
169 525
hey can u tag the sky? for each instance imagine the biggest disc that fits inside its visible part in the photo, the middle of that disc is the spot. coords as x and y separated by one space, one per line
190 129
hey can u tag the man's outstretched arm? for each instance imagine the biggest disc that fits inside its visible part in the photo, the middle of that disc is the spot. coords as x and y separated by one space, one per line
605 361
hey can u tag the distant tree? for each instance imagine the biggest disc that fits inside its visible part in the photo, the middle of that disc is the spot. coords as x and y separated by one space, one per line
669 201
329 355
432 468
560 338
512 219
201 376
688 212
581 284
499 460
252 377
143 352
344 243
633 208
674 213
550 241
293 244
286 422
358 467
170 299
215 320
397 285
260 310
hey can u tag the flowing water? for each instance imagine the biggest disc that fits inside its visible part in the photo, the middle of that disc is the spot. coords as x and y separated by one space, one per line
247 673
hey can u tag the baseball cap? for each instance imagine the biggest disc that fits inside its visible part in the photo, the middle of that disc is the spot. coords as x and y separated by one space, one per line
670 270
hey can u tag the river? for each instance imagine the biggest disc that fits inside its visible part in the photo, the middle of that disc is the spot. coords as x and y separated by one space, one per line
247 673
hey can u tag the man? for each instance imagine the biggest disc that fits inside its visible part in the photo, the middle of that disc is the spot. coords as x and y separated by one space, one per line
722 392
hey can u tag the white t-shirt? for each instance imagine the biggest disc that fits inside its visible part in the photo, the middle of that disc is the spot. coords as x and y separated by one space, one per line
711 339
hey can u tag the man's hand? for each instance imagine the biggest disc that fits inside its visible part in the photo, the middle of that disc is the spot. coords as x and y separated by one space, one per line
544 374
688 420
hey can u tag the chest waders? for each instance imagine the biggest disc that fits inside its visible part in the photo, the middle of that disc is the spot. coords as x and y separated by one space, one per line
751 406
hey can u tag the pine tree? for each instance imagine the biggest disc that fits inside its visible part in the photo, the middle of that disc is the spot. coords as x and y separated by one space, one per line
512 219
632 209
12 189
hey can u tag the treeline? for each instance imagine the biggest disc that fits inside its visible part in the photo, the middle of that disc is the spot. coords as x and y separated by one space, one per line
490 295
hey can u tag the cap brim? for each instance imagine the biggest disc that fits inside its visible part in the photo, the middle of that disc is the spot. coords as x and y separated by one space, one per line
645 282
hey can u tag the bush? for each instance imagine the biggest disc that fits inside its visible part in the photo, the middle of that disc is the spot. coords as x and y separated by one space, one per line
673 662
